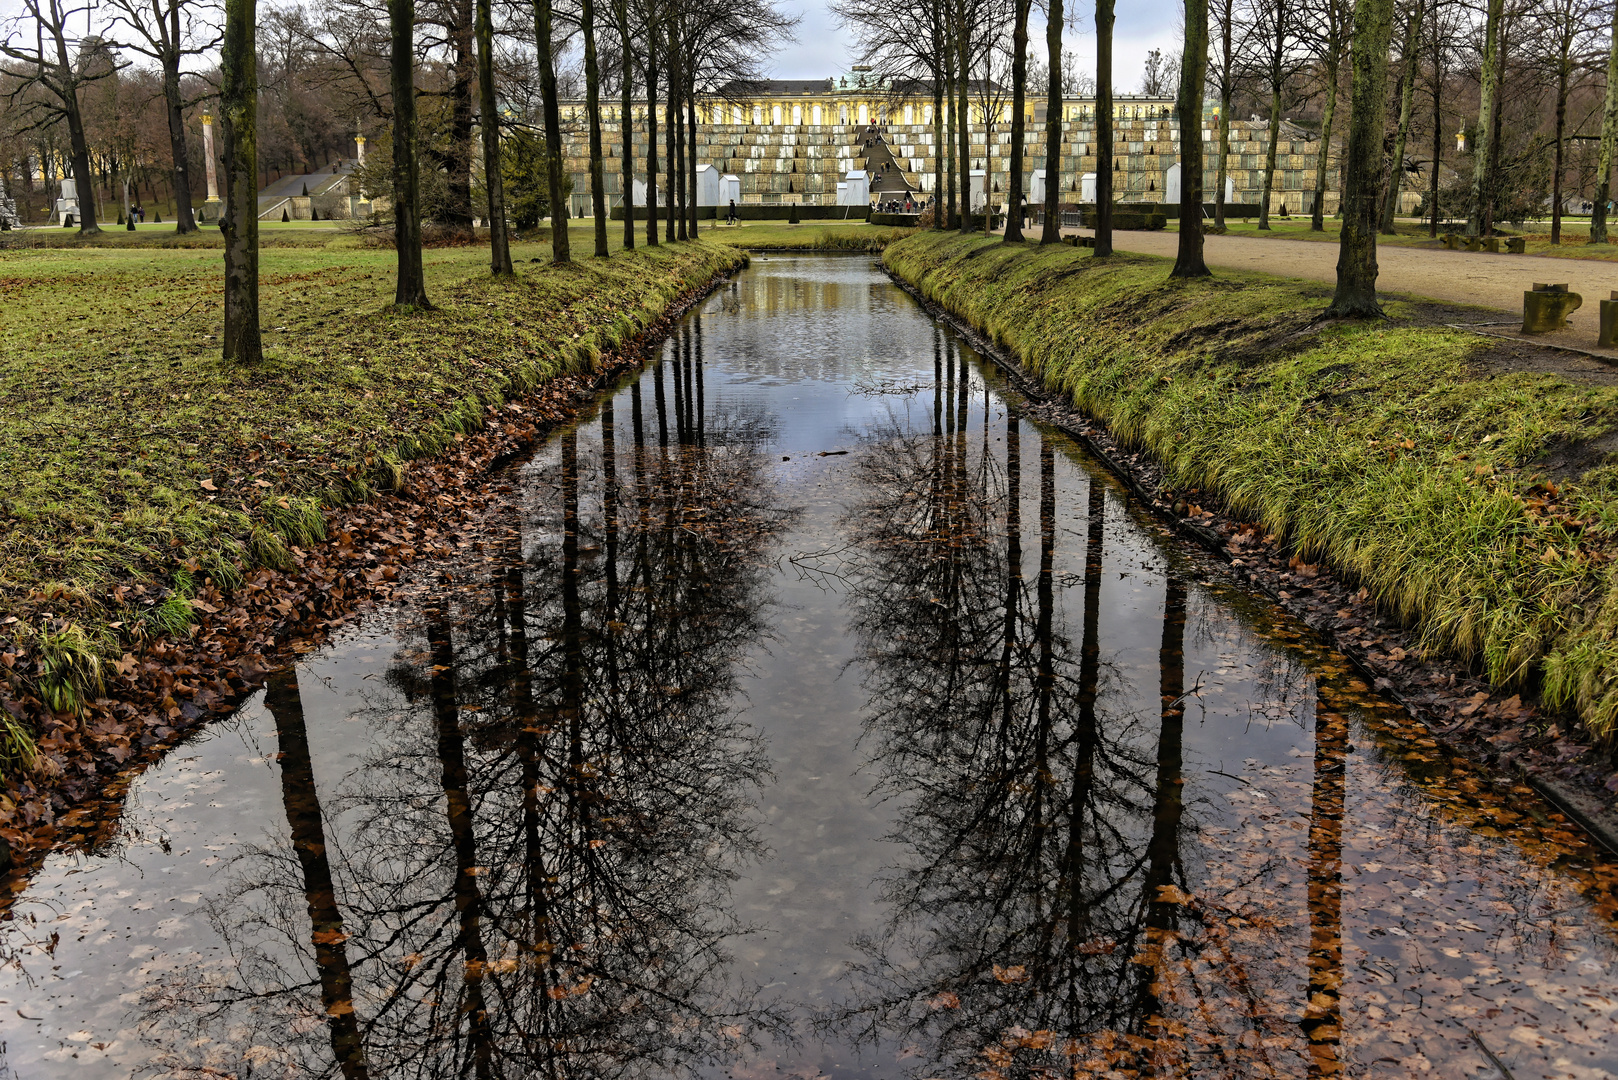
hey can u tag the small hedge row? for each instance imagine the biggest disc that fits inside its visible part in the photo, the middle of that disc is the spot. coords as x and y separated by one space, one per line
757 212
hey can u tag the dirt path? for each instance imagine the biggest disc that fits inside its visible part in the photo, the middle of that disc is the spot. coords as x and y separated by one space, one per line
1460 277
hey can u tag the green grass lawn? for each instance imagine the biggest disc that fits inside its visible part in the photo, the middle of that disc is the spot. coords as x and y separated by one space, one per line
128 447
748 235
1477 499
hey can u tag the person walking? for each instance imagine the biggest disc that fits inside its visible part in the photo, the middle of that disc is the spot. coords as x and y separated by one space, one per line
730 219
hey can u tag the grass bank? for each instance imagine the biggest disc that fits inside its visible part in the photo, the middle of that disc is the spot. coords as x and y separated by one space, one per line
1465 483
132 453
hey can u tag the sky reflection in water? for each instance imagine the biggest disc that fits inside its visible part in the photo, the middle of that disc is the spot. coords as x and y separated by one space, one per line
724 752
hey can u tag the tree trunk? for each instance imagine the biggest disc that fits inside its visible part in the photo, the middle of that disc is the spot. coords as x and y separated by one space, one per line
1019 94
238 113
651 142
949 149
1269 157
682 200
1476 224
1227 31
458 161
1492 186
1054 108
411 291
84 181
1438 133
546 42
1609 134
592 110
1317 216
691 156
1561 135
988 159
1407 102
1104 21
963 131
670 118
941 209
185 220
1188 263
626 121
489 110
1356 258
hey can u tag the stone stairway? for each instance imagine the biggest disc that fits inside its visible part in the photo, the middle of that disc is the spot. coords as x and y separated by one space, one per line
889 177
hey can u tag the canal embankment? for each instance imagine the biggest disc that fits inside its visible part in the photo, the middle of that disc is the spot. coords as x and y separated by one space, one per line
169 523
1439 504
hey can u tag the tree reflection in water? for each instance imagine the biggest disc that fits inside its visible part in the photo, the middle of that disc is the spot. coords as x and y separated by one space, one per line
1045 919
529 874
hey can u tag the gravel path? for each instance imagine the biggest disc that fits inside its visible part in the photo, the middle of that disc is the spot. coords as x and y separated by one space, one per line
1460 277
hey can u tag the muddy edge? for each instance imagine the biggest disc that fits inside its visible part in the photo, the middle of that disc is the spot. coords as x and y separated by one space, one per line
1440 692
146 710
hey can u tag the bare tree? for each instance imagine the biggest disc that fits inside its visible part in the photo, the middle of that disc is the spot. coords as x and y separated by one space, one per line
1609 134
1334 18
1224 66
410 291
592 108
238 111
1104 21
545 42
1481 220
1411 55
1193 82
1276 58
52 66
169 31
1356 261
1019 92
1054 111
1565 27
499 242
1160 72
626 120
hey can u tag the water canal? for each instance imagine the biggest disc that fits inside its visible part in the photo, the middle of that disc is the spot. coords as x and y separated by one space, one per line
809 713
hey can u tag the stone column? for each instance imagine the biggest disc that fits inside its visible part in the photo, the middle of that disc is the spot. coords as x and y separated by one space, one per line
357 194
212 208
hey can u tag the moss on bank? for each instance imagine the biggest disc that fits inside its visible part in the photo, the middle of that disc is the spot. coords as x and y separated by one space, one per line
130 450
1468 489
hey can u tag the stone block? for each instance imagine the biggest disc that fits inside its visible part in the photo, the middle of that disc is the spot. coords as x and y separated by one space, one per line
1609 323
1546 307
1516 245
1474 243
1492 243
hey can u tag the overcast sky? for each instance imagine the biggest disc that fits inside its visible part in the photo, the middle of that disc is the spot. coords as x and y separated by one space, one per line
822 48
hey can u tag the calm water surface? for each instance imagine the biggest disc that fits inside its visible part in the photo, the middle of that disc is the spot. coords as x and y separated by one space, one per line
811 714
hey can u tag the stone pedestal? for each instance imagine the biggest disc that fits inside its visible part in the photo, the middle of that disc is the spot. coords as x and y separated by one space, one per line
1546 307
1609 323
